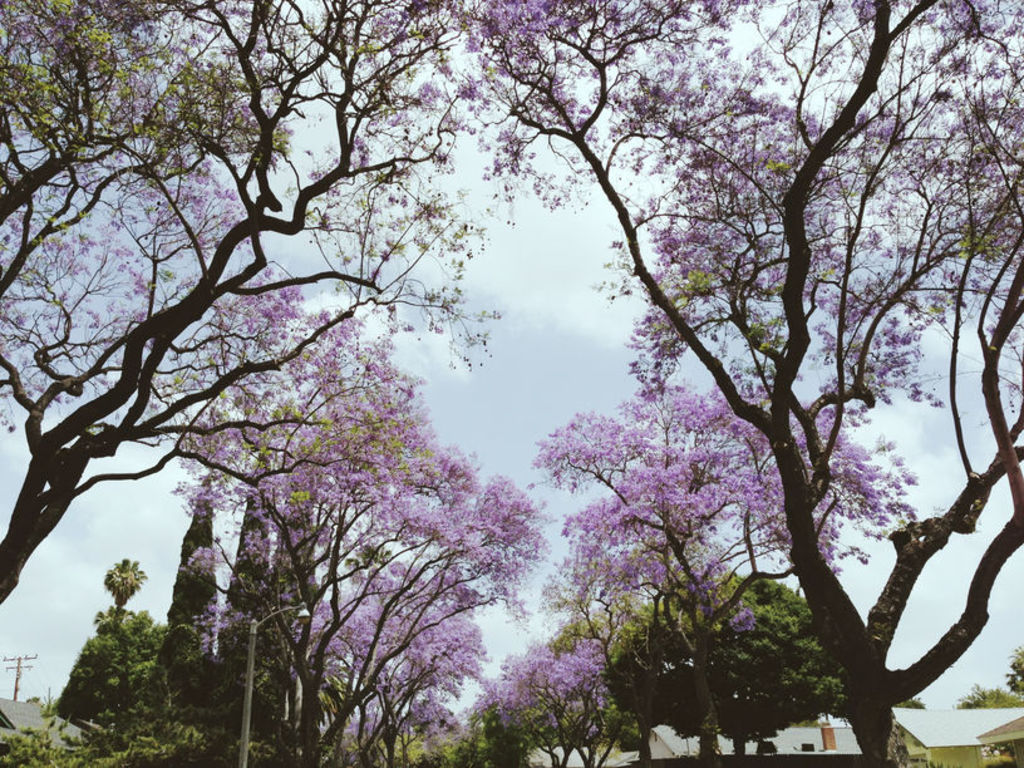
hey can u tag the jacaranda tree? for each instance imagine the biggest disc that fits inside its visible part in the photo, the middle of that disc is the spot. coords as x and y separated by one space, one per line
805 193
689 515
634 624
345 504
409 713
159 225
555 695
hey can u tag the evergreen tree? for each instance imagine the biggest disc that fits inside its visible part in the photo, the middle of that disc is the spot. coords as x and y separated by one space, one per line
117 671
189 669
764 677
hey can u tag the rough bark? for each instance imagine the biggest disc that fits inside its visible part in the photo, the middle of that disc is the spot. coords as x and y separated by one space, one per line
707 711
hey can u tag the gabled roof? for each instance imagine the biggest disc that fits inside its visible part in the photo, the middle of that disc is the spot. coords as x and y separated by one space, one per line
953 727
678 745
21 714
15 715
1007 732
683 746
790 740
787 741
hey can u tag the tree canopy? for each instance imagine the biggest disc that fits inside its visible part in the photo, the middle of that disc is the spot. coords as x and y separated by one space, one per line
803 205
123 581
116 671
989 698
1015 677
349 507
556 696
765 677
198 197
689 513
160 227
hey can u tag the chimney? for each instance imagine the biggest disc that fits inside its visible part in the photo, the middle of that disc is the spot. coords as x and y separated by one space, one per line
828 737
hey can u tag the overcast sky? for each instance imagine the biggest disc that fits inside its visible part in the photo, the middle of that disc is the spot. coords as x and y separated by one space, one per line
559 349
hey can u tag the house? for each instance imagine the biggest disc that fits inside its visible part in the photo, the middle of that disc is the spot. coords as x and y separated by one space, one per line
822 740
951 738
16 715
666 743
834 739
1012 732
954 737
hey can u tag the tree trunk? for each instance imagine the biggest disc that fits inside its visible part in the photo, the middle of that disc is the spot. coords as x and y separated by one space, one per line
642 692
644 725
879 737
309 731
706 709
46 493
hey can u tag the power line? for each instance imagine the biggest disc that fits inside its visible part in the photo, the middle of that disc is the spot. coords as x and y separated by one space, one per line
19 667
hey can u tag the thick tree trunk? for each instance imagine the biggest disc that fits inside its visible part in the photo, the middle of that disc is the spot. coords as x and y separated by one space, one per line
706 709
645 726
45 495
309 731
642 694
878 735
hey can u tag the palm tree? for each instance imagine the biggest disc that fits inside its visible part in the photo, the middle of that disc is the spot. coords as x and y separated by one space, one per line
124 580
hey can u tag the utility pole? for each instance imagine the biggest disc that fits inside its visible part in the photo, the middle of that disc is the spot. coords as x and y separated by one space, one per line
19 666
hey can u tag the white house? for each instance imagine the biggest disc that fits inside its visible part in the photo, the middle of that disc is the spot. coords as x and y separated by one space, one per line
1012 732
954 737
836 739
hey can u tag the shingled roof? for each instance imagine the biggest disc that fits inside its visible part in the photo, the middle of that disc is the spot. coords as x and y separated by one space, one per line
15 715
1010 731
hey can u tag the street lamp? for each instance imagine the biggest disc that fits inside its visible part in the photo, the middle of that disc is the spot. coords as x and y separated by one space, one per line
243 745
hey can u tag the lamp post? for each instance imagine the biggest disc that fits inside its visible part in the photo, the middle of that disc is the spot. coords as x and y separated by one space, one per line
243 744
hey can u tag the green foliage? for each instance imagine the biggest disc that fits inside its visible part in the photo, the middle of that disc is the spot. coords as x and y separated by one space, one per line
47 707
911 704
36 747
153 738
489 742
763 679
189 670
1015 677
999 761
989 698
124 580
117 670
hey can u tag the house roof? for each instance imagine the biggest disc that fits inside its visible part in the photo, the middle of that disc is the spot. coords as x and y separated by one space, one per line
678 745
953 727
1007 732
15 715
792 740
787 741
682 746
